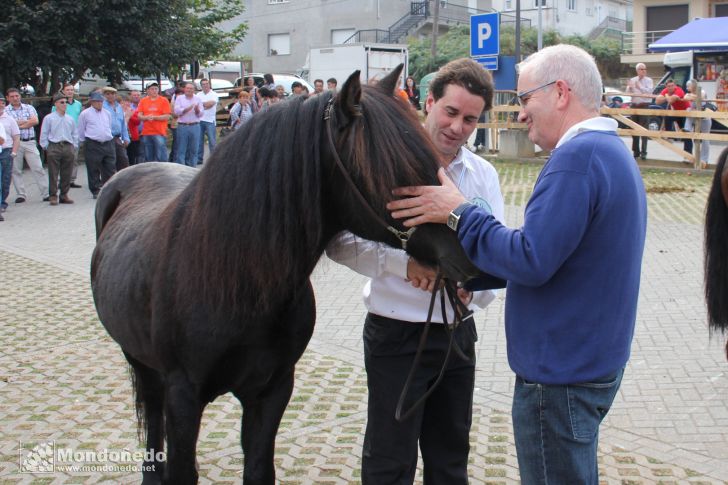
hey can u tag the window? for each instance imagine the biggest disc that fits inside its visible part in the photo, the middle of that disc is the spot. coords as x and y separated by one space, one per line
536 2
271 2
279 44
571 5
509 5
338 36
662 19
721 10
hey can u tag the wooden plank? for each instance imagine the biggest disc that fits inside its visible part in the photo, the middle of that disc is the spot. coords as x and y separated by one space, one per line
682 135
717 115
642 131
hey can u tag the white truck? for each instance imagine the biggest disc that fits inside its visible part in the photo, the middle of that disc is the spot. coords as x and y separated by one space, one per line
339 61
707 67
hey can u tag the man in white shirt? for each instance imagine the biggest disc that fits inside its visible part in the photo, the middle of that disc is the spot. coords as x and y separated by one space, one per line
9 150
209 100
397 307
640 84
3 138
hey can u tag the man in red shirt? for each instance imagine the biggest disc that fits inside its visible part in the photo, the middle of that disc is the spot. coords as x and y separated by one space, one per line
154 111
672 97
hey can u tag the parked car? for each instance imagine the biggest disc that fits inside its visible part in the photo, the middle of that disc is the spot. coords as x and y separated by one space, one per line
89 82
217 85
284 80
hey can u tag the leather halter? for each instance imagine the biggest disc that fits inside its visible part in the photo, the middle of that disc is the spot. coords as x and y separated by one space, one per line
447 289
403 236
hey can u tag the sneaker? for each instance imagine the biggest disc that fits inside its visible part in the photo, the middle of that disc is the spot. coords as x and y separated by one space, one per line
20 200
53 199
47 198
74 185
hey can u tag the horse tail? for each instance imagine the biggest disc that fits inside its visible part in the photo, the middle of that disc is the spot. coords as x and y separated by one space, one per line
108 201
715 262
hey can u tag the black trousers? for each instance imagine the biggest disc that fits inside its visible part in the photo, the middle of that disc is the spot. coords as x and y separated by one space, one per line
100 163
441 425
640 120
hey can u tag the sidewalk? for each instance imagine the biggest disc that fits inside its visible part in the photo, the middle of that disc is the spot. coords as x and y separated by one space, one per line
63 379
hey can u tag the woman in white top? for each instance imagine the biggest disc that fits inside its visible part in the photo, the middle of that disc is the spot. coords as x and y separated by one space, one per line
692 96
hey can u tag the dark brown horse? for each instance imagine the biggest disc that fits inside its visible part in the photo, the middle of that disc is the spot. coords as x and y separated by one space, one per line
716 249
203 278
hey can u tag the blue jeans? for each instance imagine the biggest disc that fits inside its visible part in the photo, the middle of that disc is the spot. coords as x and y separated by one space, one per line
6 171
188 139
556 428
155 148
206 128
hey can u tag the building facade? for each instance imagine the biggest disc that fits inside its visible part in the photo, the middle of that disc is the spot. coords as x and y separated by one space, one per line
281 32
589 18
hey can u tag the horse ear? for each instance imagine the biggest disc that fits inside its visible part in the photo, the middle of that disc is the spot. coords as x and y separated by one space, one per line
349 97
388 84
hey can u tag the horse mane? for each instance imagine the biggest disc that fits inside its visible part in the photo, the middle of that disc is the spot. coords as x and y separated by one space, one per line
715 262
251 227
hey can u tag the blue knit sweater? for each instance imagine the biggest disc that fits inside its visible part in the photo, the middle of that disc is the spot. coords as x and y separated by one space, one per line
573 269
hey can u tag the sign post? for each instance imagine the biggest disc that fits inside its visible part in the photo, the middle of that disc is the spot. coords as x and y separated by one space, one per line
485 39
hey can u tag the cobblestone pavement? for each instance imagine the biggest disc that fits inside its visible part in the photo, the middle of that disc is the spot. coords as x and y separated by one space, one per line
62 379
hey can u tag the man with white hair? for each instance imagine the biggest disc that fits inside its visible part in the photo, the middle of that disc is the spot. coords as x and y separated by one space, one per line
573 268
640 84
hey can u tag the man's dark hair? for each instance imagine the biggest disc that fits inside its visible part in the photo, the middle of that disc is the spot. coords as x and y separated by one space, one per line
465 73
318 81
296 84
268 78
12 90
669 81
332 80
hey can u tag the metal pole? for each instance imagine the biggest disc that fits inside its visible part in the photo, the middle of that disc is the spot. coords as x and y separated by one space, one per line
518 31
435 26
540 27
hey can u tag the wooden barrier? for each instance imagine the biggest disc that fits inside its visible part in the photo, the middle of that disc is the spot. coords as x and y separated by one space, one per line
501 118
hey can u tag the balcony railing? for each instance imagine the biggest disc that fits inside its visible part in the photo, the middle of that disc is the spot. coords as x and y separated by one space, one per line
637 42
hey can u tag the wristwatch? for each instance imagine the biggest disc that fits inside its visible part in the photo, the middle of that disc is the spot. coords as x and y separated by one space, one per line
454 218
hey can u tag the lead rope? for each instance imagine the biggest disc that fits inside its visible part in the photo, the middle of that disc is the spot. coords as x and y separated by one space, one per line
461 313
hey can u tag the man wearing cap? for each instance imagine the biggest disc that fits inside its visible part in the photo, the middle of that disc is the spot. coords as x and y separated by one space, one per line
119 129
26 117
59 139
94 130
154 111
189 111
209 100
73 109
9 150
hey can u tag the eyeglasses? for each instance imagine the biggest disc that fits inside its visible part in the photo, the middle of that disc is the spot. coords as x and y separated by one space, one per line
523 97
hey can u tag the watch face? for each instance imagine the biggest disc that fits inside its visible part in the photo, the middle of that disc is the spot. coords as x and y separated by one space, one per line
452 221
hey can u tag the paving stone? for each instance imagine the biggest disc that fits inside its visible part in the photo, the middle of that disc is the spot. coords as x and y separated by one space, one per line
63 379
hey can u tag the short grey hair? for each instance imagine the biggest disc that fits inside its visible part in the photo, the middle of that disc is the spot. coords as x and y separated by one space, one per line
571 64
640 65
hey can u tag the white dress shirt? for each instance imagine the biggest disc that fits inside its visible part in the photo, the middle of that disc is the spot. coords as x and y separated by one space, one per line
387 293
209 114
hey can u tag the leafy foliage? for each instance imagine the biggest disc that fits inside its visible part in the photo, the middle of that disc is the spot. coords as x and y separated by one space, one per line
455 44
46 42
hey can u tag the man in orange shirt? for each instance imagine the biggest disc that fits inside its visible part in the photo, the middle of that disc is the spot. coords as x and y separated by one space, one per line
154 111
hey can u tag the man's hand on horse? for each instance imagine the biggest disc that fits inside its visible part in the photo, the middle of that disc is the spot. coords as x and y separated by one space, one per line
421 276
426 203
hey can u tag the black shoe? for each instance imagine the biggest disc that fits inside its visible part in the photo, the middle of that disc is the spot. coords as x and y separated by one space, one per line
1 218
46 199
74 185
96 196
20 200
643 155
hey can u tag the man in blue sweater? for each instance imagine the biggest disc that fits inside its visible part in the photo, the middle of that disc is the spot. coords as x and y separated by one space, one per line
573 269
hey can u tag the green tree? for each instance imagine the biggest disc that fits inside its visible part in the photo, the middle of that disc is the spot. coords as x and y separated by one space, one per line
45 42
456 42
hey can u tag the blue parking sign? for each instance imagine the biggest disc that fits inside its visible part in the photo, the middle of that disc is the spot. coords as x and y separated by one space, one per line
485 34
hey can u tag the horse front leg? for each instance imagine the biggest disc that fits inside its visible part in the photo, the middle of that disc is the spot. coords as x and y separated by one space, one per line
261 418
183 411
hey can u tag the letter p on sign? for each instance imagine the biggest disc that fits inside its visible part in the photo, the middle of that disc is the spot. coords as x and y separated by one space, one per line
485 35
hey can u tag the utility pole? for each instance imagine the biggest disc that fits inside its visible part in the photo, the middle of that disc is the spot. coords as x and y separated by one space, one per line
518 31
435 25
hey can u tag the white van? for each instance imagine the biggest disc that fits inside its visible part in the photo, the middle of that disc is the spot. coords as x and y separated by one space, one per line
89 82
